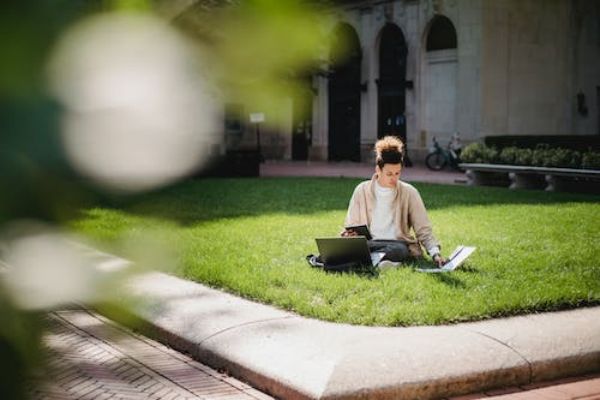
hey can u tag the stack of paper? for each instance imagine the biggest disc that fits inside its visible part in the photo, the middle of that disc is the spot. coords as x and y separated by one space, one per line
458 256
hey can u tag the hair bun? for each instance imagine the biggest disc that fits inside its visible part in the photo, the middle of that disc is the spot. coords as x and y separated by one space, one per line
388 144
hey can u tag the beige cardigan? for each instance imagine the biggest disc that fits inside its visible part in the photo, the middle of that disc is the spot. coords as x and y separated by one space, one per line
410 214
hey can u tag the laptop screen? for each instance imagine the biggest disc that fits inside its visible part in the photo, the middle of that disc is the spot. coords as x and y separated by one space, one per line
341 250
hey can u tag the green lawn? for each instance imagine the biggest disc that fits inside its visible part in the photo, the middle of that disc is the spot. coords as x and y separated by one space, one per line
536 251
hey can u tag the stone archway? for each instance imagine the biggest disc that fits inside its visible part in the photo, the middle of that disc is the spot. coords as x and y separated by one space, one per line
441 76
344 95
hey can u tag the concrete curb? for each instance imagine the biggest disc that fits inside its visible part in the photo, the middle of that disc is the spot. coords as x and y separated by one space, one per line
293 357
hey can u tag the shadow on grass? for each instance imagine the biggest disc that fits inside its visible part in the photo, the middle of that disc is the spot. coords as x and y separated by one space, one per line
450 280
447 278
362 271
200 200
469 269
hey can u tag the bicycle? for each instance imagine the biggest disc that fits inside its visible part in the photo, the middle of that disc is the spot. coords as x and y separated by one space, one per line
438 157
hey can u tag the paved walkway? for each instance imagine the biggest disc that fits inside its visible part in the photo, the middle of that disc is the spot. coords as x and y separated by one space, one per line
585 387
293 357
96 359
92 358
417 173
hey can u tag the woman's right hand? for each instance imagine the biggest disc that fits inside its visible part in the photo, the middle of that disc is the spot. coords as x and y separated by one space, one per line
439 260
348 233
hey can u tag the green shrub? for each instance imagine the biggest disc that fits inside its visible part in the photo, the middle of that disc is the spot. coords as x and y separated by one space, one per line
523 157
472 153
566 158
515 156
590 160
479 153
508 155
542 156
580 143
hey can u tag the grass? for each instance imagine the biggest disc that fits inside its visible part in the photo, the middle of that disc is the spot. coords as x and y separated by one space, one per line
536 251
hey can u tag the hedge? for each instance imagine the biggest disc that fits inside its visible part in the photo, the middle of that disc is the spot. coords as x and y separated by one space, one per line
541 156
581 143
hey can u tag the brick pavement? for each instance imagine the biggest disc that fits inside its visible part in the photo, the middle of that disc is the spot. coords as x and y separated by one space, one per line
585 387
92 358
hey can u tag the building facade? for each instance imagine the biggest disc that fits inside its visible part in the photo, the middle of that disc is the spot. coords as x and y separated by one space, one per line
421 69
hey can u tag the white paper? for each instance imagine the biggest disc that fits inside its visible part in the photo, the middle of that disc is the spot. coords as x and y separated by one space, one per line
458 256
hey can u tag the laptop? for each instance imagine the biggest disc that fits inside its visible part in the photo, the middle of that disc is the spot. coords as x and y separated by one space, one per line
341 250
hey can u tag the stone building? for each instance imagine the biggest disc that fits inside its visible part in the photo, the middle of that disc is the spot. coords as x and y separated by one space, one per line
429 68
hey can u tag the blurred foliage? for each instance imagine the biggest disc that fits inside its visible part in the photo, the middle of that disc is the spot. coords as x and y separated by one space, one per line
261 49
20 351
33 169
256 49
30 29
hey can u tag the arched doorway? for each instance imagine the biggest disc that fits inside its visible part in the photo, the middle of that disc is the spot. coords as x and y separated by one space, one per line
441 75
391 84
344 95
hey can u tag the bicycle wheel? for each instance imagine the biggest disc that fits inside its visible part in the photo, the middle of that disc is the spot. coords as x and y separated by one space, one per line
435 161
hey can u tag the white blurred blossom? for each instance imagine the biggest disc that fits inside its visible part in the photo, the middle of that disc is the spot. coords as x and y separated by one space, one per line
46 268
139 110
44 272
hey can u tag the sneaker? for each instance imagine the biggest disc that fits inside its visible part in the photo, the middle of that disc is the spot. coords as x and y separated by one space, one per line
387 264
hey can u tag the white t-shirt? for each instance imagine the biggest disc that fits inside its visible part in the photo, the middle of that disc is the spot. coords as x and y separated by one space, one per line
382 222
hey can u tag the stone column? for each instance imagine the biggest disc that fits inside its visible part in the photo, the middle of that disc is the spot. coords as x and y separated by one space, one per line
318 150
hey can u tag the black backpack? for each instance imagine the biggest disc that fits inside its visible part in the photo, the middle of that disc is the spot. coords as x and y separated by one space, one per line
355 267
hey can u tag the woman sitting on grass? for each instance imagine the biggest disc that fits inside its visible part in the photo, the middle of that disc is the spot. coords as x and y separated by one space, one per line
391 208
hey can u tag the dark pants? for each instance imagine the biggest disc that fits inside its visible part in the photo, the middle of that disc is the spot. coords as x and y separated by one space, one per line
395 250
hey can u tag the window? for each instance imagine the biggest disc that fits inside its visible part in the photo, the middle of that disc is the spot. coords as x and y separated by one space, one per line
442 34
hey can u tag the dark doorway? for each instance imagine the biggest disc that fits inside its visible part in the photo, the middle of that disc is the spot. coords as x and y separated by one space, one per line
344 96
302 119
234 125
392 83
598 106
